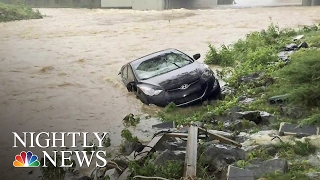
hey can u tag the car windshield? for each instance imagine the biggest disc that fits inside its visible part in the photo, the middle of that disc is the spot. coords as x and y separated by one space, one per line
162 64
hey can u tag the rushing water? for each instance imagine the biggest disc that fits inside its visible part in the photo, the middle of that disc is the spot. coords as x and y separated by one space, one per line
60 73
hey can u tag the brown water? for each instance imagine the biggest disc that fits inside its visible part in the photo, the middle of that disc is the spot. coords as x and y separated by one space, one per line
60 73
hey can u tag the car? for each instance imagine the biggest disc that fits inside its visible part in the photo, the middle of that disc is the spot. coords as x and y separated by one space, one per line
170 76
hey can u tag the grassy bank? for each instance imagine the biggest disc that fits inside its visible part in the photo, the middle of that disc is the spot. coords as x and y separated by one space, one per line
257 53
298 79
9 12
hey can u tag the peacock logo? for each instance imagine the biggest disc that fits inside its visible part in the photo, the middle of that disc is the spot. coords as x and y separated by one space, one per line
26 160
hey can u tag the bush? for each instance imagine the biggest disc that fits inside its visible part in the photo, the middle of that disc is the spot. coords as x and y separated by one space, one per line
301 79
10 12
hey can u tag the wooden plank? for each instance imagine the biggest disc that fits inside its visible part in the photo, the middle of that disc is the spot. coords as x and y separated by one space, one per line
190 166
182 135
221 138
124 175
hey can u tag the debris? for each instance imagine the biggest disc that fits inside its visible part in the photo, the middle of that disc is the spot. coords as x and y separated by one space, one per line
298 130
303 45
278 99
190 166
218 156
298 37
235 173
165 125
221 138
291 47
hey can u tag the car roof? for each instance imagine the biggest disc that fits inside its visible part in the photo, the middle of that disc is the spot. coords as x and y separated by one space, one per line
152 55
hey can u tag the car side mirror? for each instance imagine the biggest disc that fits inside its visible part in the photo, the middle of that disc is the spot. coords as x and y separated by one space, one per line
131 86
196 56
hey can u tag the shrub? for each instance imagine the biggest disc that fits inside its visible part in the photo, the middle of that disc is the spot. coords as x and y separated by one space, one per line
9 12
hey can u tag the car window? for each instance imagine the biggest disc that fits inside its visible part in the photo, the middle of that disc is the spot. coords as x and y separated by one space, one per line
130 74
161 65
125 72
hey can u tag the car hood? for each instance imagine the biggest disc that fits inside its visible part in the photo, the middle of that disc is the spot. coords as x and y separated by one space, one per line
174 79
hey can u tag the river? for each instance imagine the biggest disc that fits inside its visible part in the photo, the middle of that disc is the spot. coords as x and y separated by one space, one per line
59 73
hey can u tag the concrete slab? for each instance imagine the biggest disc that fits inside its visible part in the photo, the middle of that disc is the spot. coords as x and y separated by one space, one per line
298 130
235 173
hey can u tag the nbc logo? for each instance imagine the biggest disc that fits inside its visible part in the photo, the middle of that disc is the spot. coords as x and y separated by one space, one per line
26 160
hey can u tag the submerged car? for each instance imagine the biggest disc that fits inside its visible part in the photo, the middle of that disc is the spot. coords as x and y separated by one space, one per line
170 76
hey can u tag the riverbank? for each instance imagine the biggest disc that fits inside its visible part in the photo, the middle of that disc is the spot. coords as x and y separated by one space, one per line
272 81
9 12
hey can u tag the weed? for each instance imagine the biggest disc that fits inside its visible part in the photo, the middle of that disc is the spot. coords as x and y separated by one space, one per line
56 172
127 135
243 163
131 120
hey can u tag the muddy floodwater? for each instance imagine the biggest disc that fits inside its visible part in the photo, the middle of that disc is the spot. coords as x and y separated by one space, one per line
59 73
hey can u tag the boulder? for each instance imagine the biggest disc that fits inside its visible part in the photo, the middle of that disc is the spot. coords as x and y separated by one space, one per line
266 117
274 165
218 156
166 155
249 115
235 173
174 145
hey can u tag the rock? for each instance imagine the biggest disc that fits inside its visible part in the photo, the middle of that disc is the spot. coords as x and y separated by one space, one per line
247 101
291 47
266 117
85 178
303 45
235 173
128 148
225 90
232 111
241 124
292 112
112 174
285 55
314 175
198 123
251 77
269 166
298 130
314 160
219 156
249 115
174 145
165 156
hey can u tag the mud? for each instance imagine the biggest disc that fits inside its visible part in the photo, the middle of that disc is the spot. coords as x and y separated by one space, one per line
60 73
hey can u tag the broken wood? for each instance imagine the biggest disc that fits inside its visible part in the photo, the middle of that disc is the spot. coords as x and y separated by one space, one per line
190 164
146 151
221 138
182 135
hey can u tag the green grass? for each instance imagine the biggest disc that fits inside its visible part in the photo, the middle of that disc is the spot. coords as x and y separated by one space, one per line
10 12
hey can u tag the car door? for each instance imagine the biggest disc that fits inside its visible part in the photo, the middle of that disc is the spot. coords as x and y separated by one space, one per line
124 74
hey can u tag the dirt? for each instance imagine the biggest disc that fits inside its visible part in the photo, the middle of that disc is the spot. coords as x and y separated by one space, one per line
60 73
